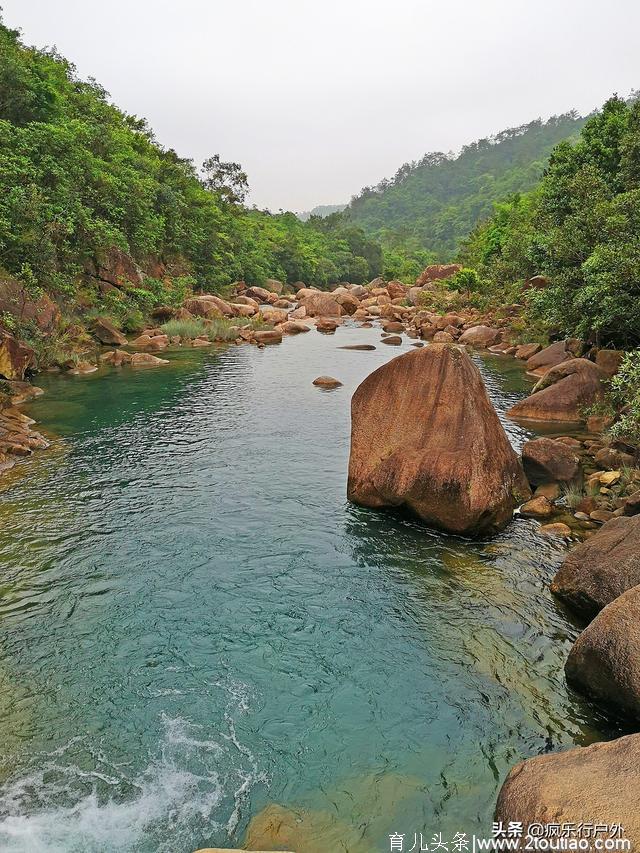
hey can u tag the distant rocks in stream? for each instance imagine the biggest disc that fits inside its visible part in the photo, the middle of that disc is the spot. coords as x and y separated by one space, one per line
425 436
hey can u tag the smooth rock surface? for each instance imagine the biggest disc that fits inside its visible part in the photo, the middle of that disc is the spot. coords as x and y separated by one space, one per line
602 568
593 784
424 435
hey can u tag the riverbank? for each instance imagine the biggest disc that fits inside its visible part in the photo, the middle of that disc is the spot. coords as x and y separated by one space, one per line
193 561
148 453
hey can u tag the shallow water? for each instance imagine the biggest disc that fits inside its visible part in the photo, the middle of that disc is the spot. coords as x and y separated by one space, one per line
195 623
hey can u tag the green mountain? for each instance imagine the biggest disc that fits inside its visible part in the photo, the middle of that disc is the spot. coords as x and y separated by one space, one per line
322 210
434 203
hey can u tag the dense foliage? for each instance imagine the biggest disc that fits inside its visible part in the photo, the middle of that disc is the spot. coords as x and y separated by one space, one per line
581 227
434 203
78 177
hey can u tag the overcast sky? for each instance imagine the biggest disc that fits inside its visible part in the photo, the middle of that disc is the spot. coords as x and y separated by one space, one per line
318 98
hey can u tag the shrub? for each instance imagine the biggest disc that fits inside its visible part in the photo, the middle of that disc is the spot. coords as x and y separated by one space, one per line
187 329
625 395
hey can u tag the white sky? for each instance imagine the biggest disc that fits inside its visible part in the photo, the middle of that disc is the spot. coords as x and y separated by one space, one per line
317 98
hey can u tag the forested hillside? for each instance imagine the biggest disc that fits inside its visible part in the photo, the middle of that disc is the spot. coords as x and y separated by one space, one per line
580 227
434 203
86 193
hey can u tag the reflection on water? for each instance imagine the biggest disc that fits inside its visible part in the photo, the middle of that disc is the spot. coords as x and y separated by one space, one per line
198 630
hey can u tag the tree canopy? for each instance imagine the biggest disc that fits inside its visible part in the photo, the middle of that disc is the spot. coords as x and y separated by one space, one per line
78 177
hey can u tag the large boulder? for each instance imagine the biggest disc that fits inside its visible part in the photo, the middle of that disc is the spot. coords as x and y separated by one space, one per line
544 359
273 285
397 290
207 305
261 295
107 334
43 311
424 435
347 301
436 272
609 360
604 662
548 461
319 303
116 268
481 336
599 570
565 393
16 357
268 336
582 786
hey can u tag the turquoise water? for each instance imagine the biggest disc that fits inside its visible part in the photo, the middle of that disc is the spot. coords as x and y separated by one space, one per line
195 624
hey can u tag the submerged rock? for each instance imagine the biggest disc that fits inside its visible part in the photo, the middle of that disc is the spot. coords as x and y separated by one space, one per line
319 303
363 347
424 435
587 785
145 359
604 662
268 336
327 382
599 570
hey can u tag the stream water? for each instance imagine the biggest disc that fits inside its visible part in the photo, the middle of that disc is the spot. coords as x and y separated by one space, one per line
196 625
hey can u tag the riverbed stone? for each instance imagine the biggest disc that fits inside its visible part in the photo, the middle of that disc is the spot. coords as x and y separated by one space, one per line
16 357
327 382
319 303
538 507
604 662
106 332
480 336
564 394
585 785
599 570
425 436
557 528
548 461
267 336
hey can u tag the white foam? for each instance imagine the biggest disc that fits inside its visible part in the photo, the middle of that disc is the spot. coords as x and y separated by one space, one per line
61 808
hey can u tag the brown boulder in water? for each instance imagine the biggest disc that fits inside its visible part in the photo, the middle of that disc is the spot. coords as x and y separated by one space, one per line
586 785
327 382
544 359
481 336
599 570
604 662
548 461
565 393
424 435
318 303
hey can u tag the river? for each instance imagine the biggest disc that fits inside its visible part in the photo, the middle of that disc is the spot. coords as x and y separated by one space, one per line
195 624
